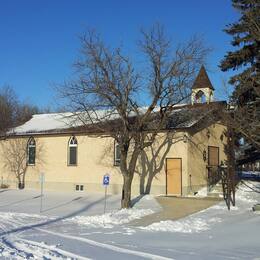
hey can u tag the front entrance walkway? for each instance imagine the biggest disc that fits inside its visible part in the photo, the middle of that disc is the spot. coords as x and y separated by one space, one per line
174 208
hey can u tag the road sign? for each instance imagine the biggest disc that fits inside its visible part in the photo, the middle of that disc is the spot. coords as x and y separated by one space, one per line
105 183
106 180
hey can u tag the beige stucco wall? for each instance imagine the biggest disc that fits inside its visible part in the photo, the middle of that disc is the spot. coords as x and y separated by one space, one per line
152 163
197 143
96 158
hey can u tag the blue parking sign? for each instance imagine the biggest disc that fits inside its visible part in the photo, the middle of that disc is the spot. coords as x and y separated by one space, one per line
106 180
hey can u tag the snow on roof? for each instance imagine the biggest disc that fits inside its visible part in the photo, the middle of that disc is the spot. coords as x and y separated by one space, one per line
44 123
56 122
184 116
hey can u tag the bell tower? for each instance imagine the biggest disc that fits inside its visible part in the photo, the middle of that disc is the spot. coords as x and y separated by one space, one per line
202 89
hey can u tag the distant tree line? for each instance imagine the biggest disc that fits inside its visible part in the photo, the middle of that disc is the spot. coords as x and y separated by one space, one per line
13 112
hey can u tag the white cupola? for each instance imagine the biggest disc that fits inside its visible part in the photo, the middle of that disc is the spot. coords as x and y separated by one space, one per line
202 89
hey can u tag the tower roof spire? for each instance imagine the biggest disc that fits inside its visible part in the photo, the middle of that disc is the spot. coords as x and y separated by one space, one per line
202 80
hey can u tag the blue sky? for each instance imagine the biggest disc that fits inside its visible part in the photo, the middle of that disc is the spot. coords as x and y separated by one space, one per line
39 39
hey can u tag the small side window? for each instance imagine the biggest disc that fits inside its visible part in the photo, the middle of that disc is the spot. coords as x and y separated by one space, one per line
117 154
72 151
79 187
31 151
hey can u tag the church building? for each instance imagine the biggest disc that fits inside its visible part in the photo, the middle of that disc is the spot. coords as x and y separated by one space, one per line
183 159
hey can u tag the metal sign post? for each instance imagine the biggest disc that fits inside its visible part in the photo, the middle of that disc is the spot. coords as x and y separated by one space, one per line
41 181
105 183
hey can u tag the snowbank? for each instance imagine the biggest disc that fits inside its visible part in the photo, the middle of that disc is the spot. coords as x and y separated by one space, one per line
109 220
245 193
202 192
223 207
189 225
13 216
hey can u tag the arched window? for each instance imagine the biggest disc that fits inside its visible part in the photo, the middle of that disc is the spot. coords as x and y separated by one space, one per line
72 151
200 97
31 151
117 154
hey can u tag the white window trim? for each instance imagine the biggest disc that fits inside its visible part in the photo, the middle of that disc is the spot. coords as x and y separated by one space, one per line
116 159
74 144
28 149
80 185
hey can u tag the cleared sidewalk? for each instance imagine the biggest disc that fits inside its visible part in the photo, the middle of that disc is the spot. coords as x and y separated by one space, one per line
174 208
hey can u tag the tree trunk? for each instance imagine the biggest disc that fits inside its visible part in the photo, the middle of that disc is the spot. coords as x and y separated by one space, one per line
149 183
231 167
143 173
23 181
126 192
20 185
128 174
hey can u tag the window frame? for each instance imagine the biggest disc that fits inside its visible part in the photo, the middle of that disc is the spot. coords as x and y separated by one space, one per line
73 137
79 187
29 145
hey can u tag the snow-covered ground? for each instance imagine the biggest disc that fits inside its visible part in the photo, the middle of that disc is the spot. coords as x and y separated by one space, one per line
74 226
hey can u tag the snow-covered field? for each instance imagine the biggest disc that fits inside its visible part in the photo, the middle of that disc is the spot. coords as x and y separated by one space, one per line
74 226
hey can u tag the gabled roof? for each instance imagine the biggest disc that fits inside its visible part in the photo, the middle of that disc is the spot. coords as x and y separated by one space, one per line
202 80
182 117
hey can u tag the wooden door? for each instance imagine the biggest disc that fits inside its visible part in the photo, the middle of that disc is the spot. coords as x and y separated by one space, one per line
213 163
213 153
173 176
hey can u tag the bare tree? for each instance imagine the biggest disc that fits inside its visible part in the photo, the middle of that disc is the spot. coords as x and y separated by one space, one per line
12 111
8 104
152 160
131 106
15 157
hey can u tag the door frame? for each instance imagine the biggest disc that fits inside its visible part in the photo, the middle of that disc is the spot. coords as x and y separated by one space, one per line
166 188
